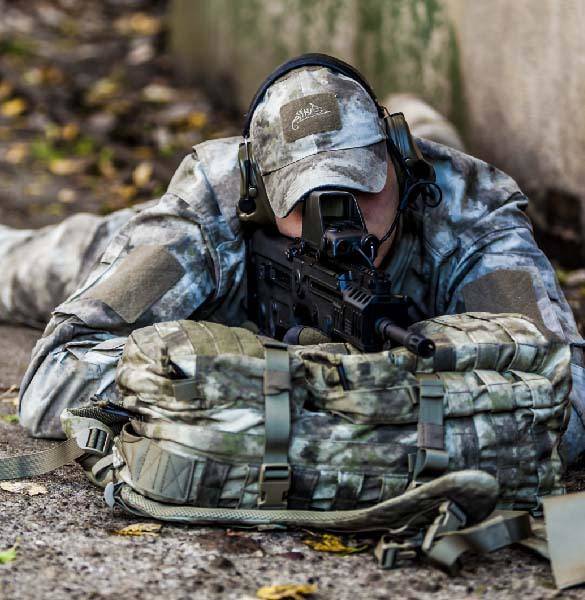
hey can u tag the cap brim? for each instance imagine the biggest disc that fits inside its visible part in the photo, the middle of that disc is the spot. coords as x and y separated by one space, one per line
361 169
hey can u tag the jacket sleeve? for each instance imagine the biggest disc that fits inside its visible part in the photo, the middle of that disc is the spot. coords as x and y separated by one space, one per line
499 268
176 260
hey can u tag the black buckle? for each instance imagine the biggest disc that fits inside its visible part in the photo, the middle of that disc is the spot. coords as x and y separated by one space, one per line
94 441
273 485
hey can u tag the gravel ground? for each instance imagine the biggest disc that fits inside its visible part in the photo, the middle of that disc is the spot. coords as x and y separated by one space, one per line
66 548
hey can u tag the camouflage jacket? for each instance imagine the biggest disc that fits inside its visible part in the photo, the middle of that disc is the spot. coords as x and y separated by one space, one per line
184 258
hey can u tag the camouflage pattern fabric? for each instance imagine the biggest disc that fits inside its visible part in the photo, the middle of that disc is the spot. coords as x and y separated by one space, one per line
505 407
303 138
479 229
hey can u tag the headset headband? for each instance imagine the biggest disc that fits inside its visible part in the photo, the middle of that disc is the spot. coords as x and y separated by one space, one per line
308 60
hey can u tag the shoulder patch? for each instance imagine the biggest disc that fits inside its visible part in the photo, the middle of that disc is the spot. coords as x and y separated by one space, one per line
505 291
140 279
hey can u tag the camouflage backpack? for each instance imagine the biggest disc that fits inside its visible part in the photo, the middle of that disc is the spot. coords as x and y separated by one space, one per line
217 425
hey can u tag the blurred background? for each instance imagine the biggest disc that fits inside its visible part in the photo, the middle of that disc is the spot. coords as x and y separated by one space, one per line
99 100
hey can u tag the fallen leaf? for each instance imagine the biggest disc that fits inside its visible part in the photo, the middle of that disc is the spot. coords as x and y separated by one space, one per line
138 529
105 163
13 108
13 388
155 92
33 76
197 120
143 153
23 487
101 90
142 174
7 556
54 209
332 543
16 153
294 591
5 89
66 166
125 192
9 418
8 397
53 75
138 24
67 196
70 131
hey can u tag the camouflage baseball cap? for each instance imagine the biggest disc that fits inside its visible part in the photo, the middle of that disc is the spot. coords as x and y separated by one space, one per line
317 128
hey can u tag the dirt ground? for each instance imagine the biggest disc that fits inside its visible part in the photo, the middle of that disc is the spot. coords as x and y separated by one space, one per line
65 546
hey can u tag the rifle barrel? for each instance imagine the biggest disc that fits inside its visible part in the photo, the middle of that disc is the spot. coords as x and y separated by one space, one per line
416 343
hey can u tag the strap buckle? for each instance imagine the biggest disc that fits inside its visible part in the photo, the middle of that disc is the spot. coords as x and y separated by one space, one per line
94 441
389 553
450 518
273 485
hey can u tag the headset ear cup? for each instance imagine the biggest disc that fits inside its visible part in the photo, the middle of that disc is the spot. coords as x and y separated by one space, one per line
246 204
399 134
253 207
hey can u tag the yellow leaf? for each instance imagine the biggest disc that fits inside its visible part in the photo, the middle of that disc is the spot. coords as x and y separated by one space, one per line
158 93
7 556
294 591
70 131
16 153
55 209
13 108
332 543
138 529
23 487
66 166
125 192
33 76
197 120
105 164
67 196
138 24
101 90
10 396
5 89
143 153
142 174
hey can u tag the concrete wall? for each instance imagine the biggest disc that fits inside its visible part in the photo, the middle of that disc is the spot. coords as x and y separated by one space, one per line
231 45
510 75
523 71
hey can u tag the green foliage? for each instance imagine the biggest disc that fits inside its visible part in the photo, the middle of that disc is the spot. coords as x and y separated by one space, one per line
10 418
16 47
8 556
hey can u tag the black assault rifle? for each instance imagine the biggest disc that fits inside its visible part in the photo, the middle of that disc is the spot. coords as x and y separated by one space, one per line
326 280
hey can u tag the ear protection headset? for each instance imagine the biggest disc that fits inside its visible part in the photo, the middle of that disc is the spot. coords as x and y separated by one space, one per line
416 177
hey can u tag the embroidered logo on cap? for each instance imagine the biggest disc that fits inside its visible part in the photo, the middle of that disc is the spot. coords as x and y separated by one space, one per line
311 114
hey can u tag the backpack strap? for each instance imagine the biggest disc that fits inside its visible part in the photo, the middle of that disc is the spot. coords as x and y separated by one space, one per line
275 472
94 440
97 425
431 459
